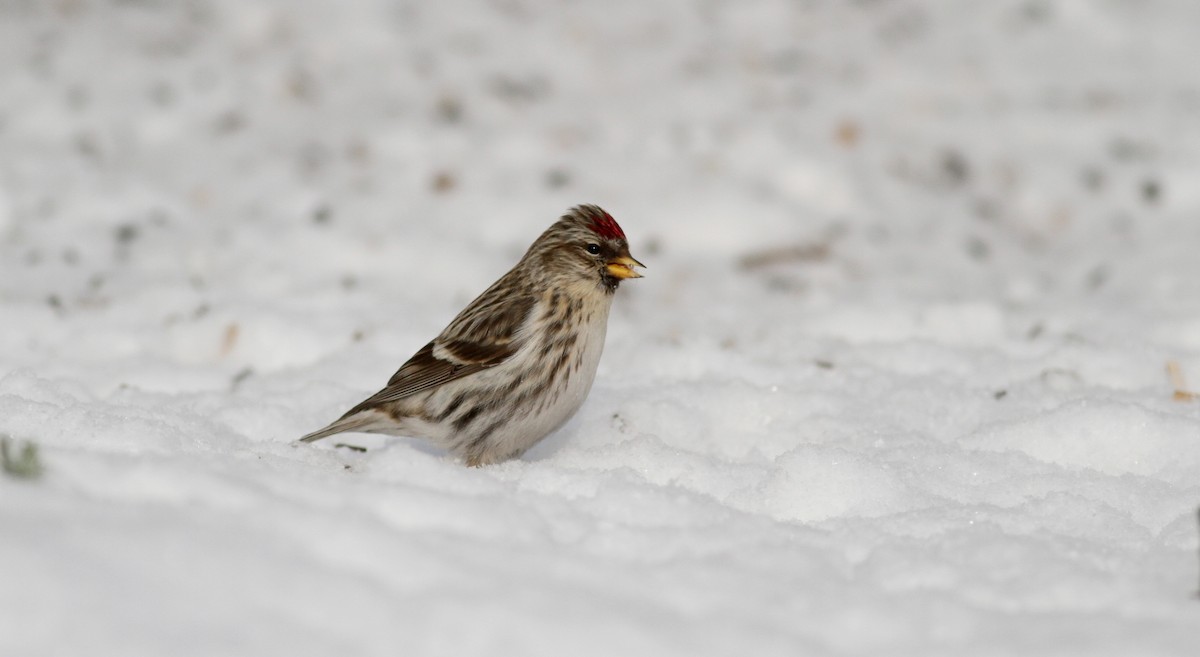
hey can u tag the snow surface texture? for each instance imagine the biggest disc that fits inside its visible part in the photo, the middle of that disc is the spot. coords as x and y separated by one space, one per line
895 382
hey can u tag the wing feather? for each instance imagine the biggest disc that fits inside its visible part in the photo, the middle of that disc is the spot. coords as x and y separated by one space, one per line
484 334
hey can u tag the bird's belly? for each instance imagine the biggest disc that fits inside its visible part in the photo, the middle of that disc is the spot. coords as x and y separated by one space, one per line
567 393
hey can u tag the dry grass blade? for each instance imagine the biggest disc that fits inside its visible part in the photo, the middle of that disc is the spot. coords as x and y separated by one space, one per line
1175 376
785 254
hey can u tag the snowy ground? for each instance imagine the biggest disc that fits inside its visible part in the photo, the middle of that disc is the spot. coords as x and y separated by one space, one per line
895 382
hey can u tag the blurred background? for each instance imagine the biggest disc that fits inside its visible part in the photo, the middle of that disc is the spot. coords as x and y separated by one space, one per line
155 151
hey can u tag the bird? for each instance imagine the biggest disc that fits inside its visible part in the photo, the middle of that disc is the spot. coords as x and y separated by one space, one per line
519 361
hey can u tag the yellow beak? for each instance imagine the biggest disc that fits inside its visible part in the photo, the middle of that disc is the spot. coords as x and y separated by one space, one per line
622 267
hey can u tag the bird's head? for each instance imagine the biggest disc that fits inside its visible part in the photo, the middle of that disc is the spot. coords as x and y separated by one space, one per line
587 245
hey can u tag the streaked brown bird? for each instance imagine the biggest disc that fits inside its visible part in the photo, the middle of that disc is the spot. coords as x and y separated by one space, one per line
519 360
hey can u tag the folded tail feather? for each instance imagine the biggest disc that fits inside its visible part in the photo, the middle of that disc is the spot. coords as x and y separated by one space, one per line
364 421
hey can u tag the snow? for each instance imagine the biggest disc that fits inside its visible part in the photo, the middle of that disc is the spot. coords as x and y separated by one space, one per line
895 382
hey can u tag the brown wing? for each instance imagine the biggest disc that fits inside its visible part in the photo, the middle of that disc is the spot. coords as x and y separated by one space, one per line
492 329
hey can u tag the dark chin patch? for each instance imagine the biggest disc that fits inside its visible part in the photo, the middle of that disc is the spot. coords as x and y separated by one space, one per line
609 282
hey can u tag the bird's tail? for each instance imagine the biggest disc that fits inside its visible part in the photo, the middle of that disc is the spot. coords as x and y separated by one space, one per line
353 421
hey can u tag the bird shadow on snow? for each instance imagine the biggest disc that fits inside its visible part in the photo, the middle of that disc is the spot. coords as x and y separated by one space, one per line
374 446
552 444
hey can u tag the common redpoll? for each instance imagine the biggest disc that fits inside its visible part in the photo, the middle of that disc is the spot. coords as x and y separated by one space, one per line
519 360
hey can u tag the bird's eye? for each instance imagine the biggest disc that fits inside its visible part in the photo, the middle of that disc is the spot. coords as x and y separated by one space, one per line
593 248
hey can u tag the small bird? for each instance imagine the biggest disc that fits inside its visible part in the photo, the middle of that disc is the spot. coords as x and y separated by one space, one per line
519 360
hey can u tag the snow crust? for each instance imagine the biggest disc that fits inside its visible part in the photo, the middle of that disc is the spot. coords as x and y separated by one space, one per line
895 382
